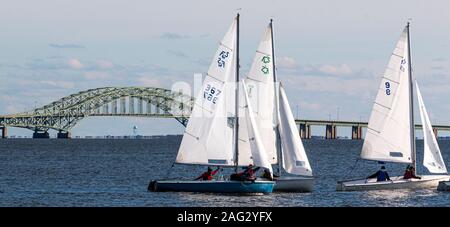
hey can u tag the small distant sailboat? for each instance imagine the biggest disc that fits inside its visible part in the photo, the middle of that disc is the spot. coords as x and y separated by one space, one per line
390 134
213 134
275 121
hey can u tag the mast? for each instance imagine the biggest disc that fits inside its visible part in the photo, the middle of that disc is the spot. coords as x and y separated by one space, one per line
236 108
277 109
411 102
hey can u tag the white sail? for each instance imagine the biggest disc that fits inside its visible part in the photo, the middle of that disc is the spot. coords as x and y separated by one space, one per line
294 156
258 152
432 158
208 135
388 136
260 88
245 150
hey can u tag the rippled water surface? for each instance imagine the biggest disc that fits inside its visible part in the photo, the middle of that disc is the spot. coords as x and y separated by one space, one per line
90 172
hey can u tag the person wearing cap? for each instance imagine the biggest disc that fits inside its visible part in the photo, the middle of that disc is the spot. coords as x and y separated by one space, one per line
208 175
381 175
409 173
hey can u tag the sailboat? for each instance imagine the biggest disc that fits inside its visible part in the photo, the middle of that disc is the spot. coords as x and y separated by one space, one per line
390 135
275 121
212 136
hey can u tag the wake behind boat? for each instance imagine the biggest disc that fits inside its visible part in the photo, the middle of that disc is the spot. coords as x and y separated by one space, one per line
390 135
218 134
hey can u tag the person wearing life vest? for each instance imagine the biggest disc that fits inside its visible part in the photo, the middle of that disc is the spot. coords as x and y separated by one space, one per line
409 173
249 172
381 175
208 175
247 175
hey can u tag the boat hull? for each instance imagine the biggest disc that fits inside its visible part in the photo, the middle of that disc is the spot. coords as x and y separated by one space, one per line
427 181
444 186
294 184
264 187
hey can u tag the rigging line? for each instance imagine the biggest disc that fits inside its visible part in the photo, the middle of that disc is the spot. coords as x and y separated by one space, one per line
353 168
169 170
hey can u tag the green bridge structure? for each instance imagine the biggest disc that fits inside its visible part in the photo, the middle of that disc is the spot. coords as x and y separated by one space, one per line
62 115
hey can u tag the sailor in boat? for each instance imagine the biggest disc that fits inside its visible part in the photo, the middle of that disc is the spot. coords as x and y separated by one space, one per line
409 173
247 175
267 175
208 175
381 175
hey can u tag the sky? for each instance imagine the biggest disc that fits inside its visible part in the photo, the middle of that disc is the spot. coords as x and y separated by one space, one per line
330 54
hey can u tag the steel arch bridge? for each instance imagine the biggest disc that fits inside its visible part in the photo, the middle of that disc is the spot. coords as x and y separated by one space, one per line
65 113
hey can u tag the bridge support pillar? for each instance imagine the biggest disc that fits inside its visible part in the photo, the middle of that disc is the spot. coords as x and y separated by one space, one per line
330 132
4 132
305 131
356 132
40 135
63 135
435 131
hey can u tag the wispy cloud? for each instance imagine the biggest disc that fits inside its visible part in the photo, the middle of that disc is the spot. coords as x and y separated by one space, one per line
95 75
75 63
343 69
173 36
439 59
59 84
177 53
66 46
104 64
287 62
149 81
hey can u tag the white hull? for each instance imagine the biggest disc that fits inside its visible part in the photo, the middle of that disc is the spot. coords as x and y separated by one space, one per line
294 184
444 186
427 181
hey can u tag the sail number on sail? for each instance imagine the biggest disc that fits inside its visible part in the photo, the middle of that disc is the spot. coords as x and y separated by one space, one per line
388 86
211 93
222 56
264 68
402 68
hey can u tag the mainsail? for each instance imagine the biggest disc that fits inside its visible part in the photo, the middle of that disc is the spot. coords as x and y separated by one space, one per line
388 136
261 92
294 156
432 158
208 138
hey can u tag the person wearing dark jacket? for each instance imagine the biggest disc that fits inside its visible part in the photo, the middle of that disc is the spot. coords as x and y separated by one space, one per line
381 175
409 173
208 175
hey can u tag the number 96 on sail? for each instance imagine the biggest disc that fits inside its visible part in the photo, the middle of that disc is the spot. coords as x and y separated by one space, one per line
211 93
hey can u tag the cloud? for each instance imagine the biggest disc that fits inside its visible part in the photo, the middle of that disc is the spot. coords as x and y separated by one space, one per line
439 59
94 75
436 68
177 53
310 106
147 81
104 64
286 62
59 84
173 36
66 46
75 63
335 70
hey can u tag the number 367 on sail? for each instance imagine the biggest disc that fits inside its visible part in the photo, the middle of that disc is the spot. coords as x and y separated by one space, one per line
211 93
